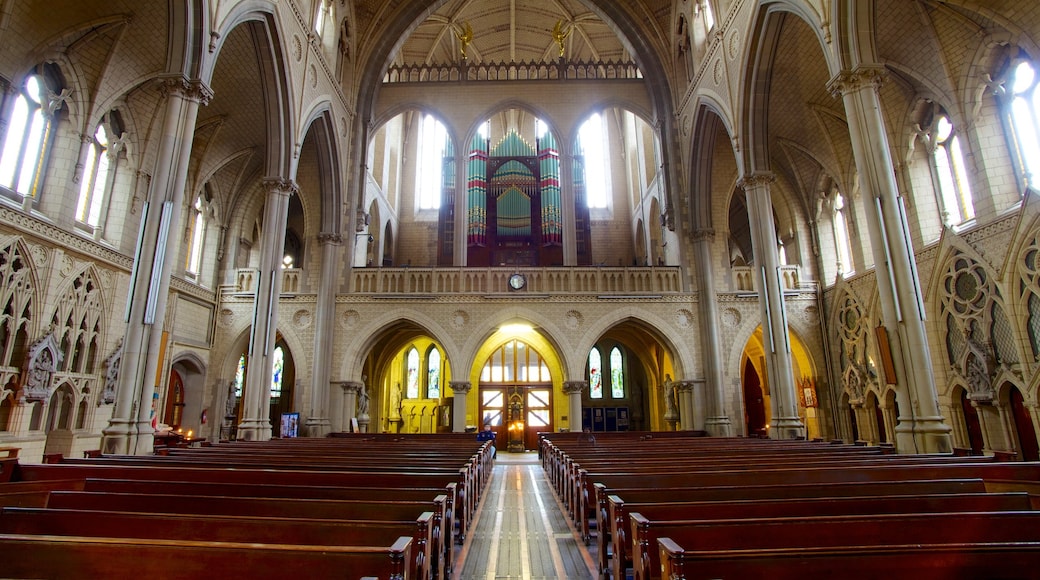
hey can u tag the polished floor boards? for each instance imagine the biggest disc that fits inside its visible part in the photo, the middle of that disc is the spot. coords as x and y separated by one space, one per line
520 531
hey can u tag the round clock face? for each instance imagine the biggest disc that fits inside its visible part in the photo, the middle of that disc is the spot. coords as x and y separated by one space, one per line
517 281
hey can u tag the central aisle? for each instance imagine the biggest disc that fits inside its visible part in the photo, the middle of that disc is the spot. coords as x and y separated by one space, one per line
519 531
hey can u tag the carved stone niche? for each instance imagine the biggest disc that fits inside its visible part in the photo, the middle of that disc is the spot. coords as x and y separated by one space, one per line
41 362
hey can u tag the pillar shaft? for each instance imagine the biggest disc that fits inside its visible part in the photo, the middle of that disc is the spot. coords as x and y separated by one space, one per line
785 422
318 423
256 423
921 428
718 423
458 405
129 431
574 389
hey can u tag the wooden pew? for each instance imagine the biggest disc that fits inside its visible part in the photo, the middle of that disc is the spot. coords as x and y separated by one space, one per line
240 529
440 535
86 557
251 475
428 552
997 473
607 521
621 558
955 530
919 561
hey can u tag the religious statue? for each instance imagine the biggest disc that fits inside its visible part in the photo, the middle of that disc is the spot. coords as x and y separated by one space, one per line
671 411
560 33
229 405
362 403
465 36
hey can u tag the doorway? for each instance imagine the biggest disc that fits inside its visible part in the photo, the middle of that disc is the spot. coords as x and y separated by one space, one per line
516 396
1027 444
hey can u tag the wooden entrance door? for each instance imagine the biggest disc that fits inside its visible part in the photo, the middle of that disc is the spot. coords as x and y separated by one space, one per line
516 413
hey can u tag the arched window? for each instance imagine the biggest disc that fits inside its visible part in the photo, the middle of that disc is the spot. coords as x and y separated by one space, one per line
617 374
99 170
433 374
197 225
240 376
433 142
706 12
595 374
412 374
592 137
29 133
843 246
951 173
322 16
1025 119
278 366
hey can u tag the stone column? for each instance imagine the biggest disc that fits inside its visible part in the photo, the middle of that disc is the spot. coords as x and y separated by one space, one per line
718 423
921 428
256 409
685 391
573 390
351 389
129 431
785 422
458 405
318 423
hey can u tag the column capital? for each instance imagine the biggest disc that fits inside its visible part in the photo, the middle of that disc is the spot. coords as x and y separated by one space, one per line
462 387
349 387
281 186
192 89
330 238
863 76
703 235
575 387
686 386
757 179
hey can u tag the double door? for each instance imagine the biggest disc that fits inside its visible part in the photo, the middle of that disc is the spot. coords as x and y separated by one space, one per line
516 413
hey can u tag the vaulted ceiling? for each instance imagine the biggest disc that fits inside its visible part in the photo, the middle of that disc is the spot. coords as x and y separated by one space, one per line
511 31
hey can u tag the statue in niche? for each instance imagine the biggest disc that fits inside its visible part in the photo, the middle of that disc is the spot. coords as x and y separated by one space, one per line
41 362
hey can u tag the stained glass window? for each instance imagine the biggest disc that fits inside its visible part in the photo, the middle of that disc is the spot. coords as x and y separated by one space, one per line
412 372
595 375
433 374
276 375
617 374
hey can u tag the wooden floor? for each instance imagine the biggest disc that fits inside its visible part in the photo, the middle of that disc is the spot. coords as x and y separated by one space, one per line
519 530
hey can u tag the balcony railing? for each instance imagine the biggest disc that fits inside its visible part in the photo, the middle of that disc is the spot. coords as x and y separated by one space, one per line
512 71
748 278
623 282
246 278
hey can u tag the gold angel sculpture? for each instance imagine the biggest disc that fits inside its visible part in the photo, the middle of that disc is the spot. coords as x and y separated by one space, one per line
560 33
465 36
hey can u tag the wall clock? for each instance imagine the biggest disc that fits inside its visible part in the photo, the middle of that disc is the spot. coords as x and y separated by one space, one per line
517 282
